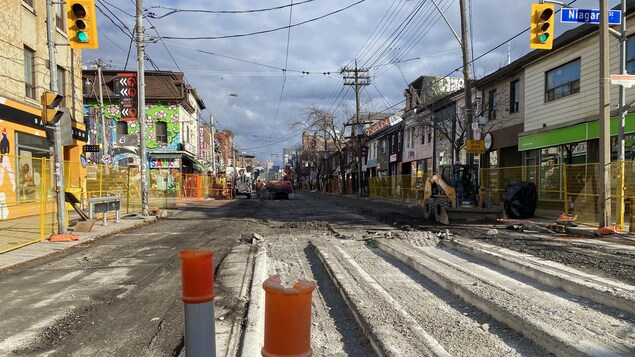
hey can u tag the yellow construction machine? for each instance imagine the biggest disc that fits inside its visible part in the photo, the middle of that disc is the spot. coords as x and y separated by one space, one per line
454 196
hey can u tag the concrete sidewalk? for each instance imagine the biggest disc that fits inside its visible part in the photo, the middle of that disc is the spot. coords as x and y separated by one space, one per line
16 257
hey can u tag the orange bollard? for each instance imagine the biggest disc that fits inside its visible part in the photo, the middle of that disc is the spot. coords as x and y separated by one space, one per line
287 318
197 273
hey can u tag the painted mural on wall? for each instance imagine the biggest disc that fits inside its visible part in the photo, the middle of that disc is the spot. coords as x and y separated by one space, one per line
159 117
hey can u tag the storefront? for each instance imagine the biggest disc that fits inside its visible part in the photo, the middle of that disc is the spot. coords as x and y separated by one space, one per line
26 176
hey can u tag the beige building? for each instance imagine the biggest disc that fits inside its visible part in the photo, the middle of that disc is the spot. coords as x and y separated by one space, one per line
24 76
24 72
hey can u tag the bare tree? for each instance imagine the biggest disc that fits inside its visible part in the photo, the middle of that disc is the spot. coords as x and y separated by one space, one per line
323 123
449 123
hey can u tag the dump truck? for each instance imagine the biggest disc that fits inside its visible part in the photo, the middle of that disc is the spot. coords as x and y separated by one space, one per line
454 196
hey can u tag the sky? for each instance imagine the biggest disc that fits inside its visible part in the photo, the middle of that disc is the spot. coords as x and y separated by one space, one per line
282 57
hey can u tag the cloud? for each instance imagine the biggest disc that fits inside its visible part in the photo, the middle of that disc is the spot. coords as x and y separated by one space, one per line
399 40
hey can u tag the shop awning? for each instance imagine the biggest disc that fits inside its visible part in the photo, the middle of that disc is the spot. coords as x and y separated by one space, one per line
571 134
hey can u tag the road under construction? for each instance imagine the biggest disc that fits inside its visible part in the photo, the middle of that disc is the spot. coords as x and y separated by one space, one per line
388 284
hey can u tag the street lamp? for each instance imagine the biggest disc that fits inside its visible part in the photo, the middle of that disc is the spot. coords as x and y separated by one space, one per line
212 129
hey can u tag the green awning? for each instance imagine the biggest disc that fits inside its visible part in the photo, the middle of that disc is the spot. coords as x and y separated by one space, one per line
571 134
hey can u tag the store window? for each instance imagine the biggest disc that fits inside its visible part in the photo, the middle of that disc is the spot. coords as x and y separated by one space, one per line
31 151
514 96
550 186
562 81
29 72
162 132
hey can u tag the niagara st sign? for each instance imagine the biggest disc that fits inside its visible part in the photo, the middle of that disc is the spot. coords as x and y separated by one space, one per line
589 16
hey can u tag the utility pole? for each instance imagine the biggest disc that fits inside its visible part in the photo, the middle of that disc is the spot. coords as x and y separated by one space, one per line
58 152
142 109
605 117
467 78
357 81
211 120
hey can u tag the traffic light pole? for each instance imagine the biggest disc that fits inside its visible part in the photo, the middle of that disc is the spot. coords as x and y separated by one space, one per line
605 117
142 109
58 152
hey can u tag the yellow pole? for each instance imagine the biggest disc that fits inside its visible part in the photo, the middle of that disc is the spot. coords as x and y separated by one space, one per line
101 180
43 198
620 202
566 200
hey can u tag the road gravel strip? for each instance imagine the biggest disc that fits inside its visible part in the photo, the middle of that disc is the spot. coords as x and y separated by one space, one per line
559 322
602 290
461 329
391 330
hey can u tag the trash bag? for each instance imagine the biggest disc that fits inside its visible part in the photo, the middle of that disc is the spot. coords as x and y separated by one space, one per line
520 199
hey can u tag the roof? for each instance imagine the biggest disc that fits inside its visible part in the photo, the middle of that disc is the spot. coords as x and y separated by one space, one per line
158 85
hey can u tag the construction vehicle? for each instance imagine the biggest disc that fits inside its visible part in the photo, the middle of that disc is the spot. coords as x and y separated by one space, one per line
454 196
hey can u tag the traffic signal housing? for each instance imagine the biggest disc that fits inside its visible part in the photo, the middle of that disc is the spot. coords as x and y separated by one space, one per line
82 24
51 113
542 25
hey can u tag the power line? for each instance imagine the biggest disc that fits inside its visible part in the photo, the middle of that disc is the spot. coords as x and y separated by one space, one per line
264 31
175 10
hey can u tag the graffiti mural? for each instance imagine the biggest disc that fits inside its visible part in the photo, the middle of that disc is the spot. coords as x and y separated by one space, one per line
162 130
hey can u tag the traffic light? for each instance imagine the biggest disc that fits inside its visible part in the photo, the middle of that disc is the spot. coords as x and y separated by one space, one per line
542 24
51 113
82 24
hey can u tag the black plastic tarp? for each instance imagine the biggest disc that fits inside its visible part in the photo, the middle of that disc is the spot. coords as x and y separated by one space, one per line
520 200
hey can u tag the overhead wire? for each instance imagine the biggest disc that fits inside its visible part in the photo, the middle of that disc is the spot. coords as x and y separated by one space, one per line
264 31
284 77
175 10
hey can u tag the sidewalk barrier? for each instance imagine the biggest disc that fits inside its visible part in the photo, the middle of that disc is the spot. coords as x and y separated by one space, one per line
287 318
197 271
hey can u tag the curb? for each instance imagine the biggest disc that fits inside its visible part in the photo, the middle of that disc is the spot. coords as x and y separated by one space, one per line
253 335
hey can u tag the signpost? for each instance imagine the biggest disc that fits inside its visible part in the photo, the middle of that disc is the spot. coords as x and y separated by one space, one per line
625 80
592 16
90 148
126 89
475 146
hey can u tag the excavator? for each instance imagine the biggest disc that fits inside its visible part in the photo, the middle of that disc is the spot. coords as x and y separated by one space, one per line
453 195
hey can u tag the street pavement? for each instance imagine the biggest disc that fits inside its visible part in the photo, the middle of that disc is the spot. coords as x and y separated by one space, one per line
21 231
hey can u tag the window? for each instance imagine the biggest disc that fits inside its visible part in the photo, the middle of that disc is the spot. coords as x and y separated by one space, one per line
59 16
491 107
563 81
61 84
29 73
162 132
28 2
429 135
514 96
122 128
630 55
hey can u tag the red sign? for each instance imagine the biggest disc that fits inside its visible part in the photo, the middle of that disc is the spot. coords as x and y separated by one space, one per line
126 90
